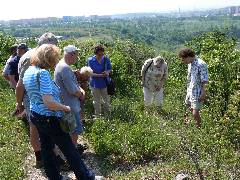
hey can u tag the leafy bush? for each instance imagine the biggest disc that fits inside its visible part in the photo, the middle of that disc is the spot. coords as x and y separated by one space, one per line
223 59
5 43
126 58
13 137
130 135
230 123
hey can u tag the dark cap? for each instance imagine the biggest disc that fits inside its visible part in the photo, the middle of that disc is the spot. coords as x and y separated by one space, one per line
23 46
13 48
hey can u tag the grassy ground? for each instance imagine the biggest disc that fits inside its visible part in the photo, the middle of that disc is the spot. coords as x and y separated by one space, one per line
13 137
132 145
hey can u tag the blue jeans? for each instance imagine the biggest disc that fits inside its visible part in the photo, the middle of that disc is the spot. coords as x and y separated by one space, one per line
50 133
79 128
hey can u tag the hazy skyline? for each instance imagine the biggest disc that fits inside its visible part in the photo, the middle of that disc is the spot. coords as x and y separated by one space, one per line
13 9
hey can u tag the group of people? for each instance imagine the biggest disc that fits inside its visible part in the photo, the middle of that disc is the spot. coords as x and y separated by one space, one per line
154 75
10 71
46 99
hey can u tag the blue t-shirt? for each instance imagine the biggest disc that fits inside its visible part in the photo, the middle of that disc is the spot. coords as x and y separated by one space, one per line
13 67
105 65
35 89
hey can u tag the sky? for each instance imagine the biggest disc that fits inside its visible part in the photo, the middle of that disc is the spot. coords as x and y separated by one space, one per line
26 9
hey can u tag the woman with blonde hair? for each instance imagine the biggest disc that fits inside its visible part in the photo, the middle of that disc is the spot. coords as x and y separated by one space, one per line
46 113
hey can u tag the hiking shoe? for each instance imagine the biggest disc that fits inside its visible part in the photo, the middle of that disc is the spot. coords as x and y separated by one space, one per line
39 164
81 148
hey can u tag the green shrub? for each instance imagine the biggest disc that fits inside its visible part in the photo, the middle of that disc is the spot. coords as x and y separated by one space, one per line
129 135
13 137
5 43
223 59
230 123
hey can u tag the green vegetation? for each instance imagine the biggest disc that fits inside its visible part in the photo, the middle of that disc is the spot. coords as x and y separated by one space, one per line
13 137
132 143
161 33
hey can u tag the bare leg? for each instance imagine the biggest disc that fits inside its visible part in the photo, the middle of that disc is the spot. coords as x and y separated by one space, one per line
34 138
74 138
196 116
186 118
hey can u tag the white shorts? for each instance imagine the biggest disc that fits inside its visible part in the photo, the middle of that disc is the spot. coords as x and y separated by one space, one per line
153 97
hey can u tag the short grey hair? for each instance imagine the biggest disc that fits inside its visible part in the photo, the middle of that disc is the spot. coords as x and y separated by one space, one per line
47 38
86 71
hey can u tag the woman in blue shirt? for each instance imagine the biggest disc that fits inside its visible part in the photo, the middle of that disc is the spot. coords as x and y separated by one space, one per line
47 111
101 67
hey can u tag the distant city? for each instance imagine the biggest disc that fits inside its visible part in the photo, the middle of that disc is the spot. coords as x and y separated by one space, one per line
227 11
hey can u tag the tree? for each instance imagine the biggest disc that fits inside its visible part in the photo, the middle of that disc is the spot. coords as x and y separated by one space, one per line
223 59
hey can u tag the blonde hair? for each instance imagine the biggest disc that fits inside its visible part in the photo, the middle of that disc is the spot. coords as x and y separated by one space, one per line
87 71
46 56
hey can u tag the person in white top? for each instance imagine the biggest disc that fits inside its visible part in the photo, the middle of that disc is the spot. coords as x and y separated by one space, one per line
196 81
154 75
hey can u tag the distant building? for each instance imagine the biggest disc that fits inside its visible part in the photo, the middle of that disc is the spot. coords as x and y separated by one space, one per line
234 10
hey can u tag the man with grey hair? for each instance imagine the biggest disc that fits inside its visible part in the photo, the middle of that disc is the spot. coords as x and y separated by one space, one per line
22 98
154 75
66 80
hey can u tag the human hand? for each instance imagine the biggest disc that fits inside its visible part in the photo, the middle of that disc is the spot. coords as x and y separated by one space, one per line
202 97
105 73
67 109
82 97
158 88
18 110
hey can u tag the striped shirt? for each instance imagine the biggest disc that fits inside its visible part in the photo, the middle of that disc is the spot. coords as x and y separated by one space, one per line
197 74
36 88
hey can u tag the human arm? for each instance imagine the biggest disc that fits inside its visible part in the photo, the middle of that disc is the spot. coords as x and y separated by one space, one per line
53 105
12 81
80 93
204 81
98 75
165 75
144 69
70 83
202 96
20 89
108 67
6 70
46 89
19 97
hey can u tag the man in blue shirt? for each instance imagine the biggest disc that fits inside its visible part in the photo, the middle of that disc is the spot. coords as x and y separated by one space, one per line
6 70
101 67
13 64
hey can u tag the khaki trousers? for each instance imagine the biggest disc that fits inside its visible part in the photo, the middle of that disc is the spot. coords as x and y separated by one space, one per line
98 95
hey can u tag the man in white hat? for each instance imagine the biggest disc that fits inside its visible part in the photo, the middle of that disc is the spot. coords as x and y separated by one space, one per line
154 75
66 80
